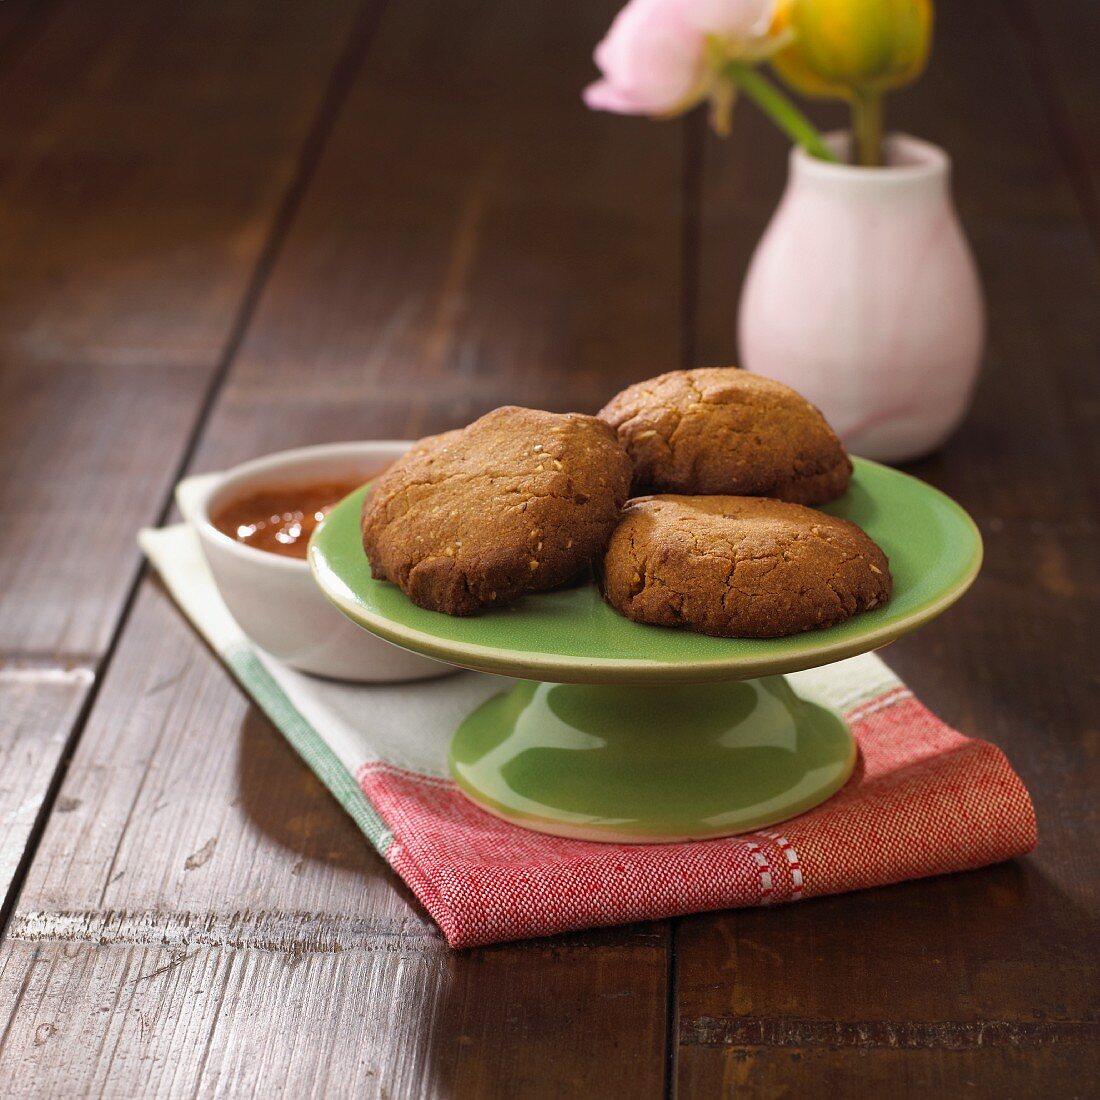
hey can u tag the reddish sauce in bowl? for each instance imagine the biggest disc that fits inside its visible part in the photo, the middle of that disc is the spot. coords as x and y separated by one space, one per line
280 520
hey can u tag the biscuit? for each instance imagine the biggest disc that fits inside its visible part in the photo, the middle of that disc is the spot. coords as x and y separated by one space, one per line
517 502
723 430
429 443
740 567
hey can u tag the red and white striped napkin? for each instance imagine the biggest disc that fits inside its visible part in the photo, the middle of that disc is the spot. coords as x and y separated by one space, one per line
924 799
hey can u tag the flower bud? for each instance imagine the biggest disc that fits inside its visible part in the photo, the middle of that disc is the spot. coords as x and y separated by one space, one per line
846 48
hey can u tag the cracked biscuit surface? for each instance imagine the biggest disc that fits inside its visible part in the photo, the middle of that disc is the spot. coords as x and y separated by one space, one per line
517 502
740 567
723 430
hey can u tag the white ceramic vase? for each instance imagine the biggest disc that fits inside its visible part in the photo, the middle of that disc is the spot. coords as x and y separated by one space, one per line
863 295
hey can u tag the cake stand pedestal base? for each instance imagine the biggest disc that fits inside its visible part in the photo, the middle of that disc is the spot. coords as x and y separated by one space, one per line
651 764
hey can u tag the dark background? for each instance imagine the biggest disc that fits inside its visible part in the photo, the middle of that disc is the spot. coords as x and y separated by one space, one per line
229 227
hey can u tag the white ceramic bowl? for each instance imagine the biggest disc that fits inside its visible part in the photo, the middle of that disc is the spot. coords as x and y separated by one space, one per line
274 598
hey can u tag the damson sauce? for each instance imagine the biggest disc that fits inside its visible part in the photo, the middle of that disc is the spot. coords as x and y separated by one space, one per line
280 520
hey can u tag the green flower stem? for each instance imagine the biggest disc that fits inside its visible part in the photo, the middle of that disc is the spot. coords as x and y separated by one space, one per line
780 110
867 127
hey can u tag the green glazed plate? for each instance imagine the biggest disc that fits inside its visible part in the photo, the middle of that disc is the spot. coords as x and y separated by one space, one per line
572 636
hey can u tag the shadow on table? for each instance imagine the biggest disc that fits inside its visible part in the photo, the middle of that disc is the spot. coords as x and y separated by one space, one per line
289 805
993 945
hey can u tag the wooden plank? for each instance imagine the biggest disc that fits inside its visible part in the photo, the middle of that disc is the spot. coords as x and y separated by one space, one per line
146 148
38 707
388 1016
476 239
1059 40
21 21
178 789
203 917
474 242
981 983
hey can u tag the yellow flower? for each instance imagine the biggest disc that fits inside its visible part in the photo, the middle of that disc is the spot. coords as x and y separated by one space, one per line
844 49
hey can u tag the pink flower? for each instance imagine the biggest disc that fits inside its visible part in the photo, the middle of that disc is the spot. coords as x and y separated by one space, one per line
661 57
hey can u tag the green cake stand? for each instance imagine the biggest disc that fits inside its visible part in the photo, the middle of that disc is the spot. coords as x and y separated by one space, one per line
622 732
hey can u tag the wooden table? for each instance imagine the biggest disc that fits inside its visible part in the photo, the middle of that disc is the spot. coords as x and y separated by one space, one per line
232 227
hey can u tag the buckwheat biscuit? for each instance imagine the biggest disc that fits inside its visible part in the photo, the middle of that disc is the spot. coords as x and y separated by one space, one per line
723 430
429 443
517 502
740 567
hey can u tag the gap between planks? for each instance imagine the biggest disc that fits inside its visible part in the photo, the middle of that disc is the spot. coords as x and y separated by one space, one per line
708 1031
76 671
292 933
